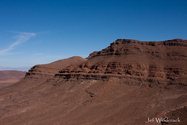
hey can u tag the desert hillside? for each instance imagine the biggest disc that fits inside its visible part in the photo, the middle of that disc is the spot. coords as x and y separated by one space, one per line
129 82
52 68
8 77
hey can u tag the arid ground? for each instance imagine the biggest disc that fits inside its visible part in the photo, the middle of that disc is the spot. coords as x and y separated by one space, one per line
8 77
128 83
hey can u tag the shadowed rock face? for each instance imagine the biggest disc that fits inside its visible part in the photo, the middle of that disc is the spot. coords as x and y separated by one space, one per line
123 84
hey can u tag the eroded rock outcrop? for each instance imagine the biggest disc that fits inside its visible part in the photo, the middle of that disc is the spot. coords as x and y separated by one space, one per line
162 61
49 70
167 50
125 85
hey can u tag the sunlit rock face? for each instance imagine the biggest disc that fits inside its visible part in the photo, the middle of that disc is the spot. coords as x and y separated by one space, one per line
149 62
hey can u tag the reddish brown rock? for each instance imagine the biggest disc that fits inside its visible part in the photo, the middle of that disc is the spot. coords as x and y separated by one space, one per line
8 77
124 84
49 70
162 61
92 54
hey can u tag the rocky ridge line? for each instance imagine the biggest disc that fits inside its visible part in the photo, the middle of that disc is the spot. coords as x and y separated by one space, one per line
134 59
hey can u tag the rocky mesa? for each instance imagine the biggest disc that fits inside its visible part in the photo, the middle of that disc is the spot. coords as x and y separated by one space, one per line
129 82
161 62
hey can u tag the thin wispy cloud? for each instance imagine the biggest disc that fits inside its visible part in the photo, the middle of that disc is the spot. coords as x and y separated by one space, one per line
38 54
21 38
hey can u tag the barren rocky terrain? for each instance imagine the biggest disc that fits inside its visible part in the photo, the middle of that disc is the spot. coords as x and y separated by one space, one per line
128 83
8 77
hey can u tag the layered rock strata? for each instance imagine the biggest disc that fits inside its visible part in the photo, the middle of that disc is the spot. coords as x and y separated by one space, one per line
49 70
163 61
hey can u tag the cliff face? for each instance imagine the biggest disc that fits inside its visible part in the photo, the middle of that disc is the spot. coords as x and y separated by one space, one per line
167 50
161 62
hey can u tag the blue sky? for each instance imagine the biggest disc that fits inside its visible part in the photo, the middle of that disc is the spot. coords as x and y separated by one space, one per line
42 31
